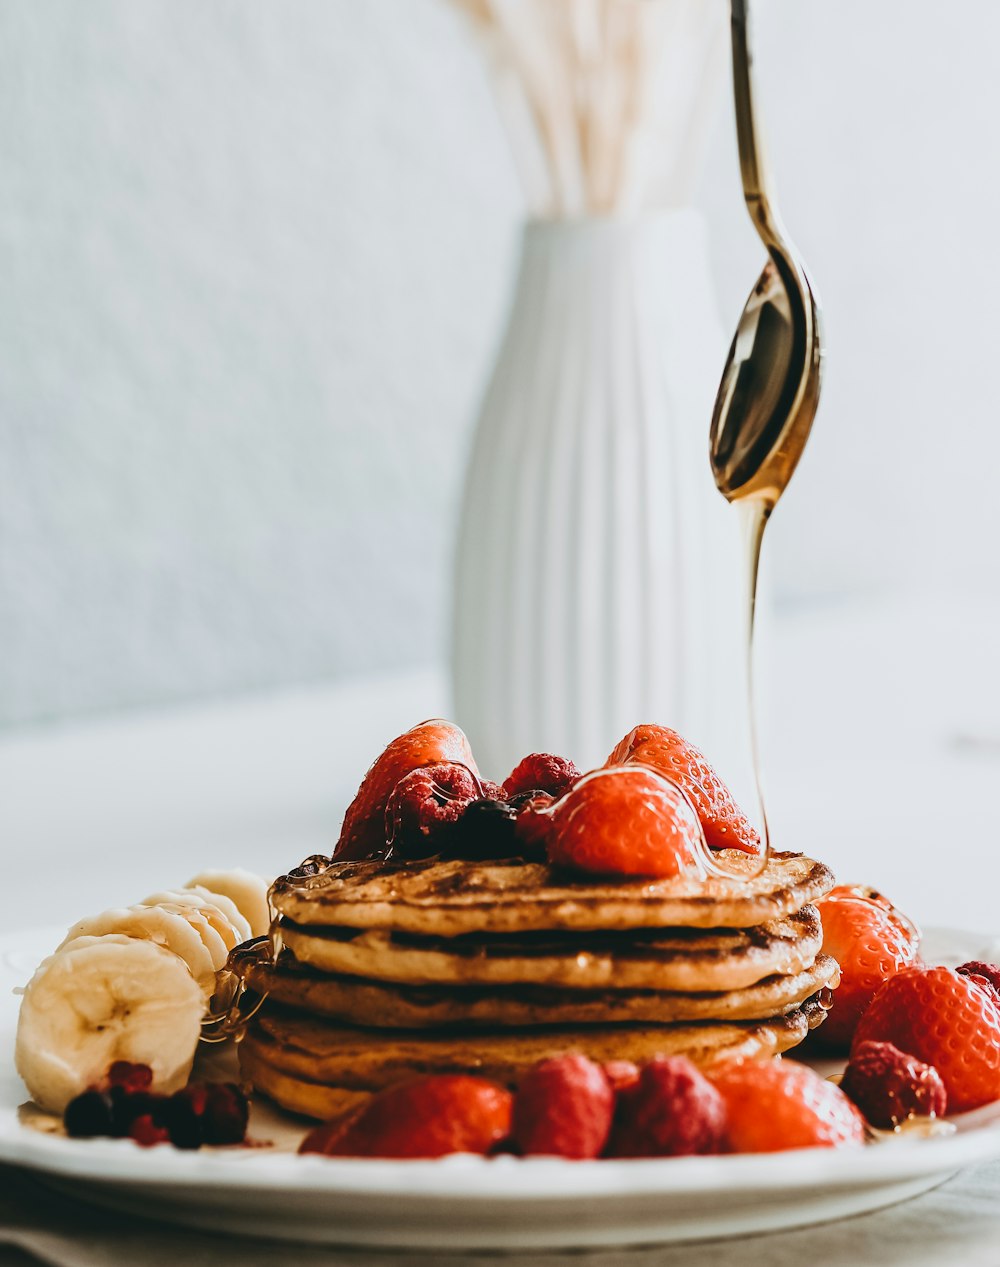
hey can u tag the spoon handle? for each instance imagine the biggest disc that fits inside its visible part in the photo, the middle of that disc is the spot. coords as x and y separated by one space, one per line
758 189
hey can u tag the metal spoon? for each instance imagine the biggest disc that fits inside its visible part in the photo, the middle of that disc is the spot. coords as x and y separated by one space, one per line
769 392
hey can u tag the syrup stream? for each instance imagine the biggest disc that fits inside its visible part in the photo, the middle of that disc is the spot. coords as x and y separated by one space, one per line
754 514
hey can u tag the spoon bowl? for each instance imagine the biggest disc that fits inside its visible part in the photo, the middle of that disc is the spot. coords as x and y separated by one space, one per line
770 387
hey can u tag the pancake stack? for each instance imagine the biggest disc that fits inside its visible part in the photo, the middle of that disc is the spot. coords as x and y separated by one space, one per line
379 971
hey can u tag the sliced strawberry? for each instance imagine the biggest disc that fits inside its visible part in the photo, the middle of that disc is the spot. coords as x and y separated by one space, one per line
724 823
363 832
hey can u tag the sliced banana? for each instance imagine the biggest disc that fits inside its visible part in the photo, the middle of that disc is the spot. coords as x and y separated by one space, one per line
227 906
215 915
247 890
156 924
218 949
92 1003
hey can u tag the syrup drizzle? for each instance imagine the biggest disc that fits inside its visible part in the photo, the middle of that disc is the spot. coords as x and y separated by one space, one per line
754 514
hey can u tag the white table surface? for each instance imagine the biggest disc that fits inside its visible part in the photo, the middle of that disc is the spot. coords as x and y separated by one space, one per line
883 753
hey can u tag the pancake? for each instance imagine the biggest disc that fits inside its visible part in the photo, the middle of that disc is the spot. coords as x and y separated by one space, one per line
455 897
381 1005
667 959
311 1050
297 1095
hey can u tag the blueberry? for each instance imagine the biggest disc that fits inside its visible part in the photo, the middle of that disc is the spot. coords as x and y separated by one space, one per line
181 1115
89 1114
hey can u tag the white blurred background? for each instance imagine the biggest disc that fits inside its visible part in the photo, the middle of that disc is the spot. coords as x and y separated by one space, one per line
253 263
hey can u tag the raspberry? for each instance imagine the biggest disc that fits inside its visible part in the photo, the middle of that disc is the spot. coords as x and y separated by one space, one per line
129 1076
723 822
126 1106
945 1019
625 821
772 1105
492 791
982 973
363 832
431 1117
146 1133
671 1111
563 1108
543 772
871 941
888 1086
423 803
224 1118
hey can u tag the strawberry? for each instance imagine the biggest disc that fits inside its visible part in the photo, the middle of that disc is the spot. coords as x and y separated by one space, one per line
870 940
672 1110
625 821
563 1108
772 1105
430 1117
724 823
889 1086
945 1019
363 832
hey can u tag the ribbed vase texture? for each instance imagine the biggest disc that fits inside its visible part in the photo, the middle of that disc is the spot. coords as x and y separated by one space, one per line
598 581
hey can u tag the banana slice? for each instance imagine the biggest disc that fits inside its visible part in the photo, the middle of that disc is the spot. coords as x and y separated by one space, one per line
218 950
216 916
92 1003
237 920
247 890
156 924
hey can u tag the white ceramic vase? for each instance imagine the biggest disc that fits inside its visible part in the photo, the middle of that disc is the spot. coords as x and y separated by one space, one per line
598 581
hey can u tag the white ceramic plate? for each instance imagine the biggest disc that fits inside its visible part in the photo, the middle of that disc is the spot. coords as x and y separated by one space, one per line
470 1202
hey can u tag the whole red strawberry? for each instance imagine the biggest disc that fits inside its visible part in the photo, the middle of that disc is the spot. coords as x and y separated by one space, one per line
541 771
671 1111
889 1086
625 821
724 823
363 832
870 940
563 1108
772 1105
430 1117
945 1019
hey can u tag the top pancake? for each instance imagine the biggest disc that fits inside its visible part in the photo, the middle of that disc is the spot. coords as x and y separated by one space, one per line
450 898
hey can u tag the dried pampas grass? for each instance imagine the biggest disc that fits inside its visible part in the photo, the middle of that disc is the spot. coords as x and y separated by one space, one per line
606 101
